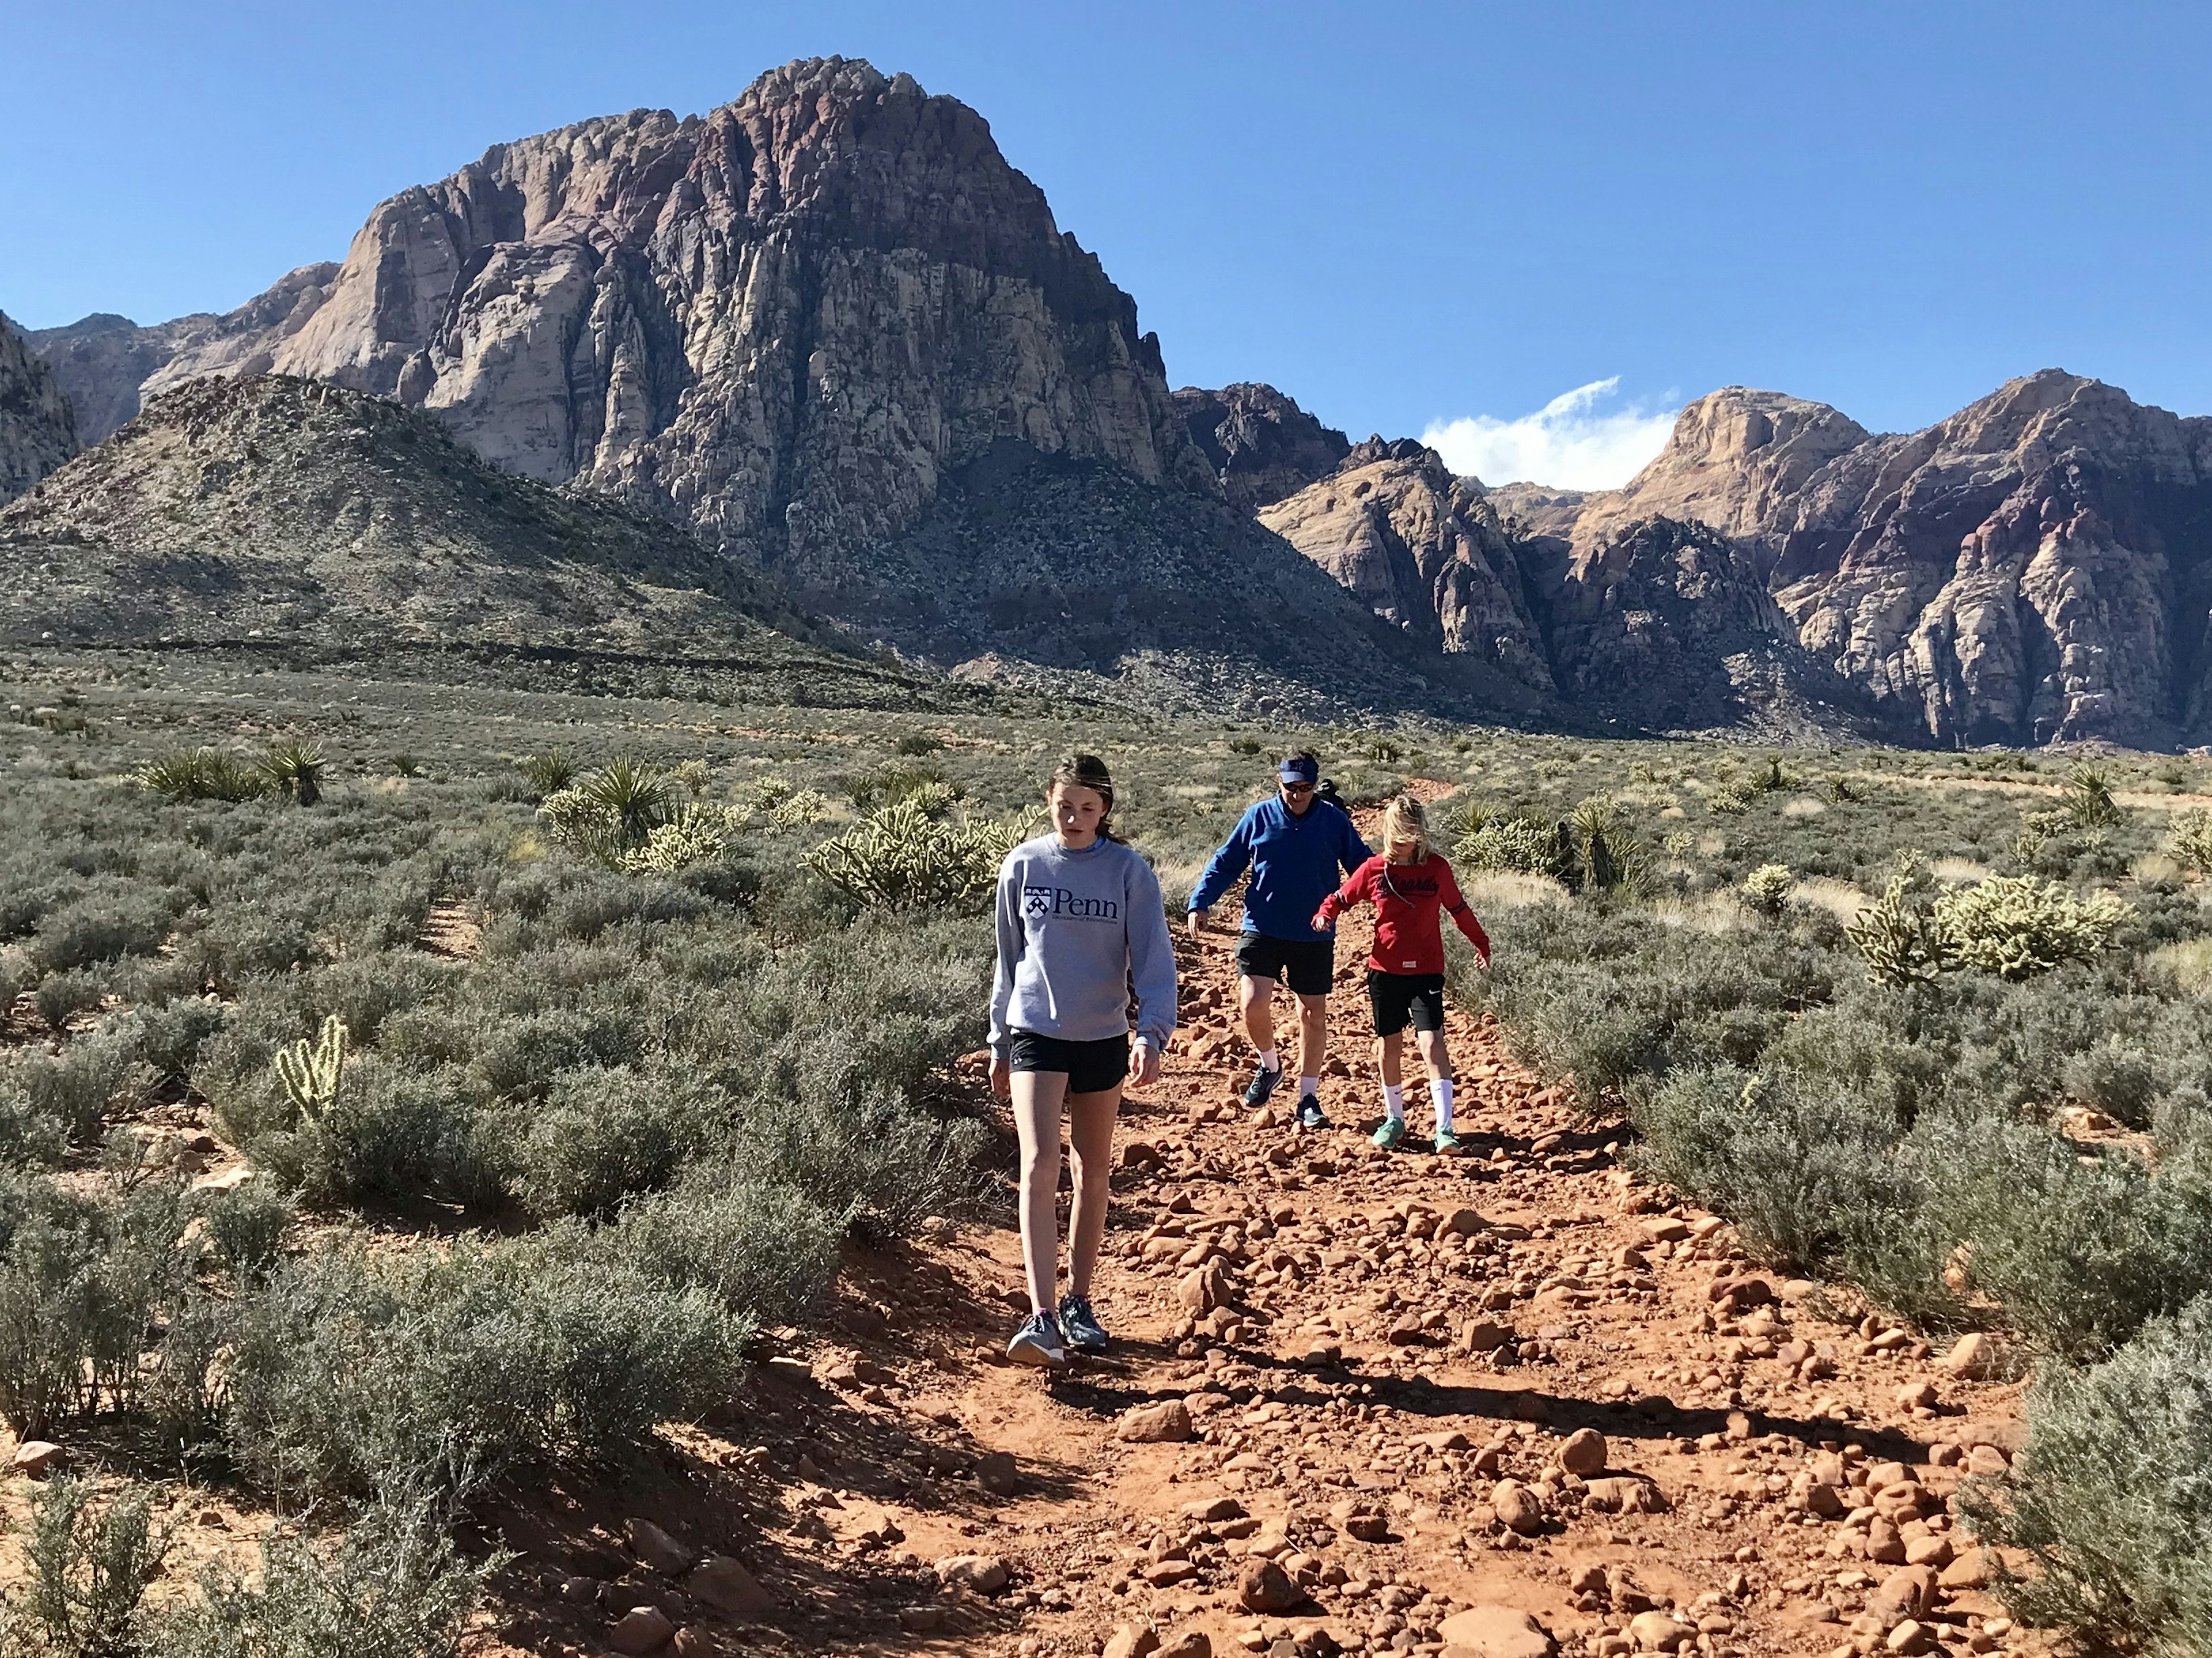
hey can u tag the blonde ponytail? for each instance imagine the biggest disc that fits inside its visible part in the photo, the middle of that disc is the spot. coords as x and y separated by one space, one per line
1403 819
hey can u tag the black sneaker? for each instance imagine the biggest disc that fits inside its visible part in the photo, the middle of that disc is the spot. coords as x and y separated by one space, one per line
1310 1113
1262 1084
1079 1326
1037 1342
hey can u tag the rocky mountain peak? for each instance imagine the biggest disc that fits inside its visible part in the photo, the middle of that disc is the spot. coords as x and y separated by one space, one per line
1261 446
38 432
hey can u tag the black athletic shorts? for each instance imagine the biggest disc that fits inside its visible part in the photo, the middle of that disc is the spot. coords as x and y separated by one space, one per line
1306 965
1399 996
1091 1067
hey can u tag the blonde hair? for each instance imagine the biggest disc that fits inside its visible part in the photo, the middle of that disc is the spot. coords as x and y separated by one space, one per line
1403 819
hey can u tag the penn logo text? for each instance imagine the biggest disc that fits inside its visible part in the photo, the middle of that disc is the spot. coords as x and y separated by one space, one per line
1059 900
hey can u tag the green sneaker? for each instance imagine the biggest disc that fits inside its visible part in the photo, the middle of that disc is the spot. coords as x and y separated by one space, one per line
1392 1131
1447 1142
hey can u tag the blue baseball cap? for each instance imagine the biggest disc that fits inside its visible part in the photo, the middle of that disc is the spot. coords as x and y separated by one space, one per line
1299 769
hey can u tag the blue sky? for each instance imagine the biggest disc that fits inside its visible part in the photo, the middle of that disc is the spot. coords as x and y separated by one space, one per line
1404 216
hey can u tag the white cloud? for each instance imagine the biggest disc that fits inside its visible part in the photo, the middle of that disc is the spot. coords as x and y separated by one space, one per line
1570 443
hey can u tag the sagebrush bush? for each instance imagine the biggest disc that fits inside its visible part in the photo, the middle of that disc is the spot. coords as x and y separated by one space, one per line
80 1281
90 1565
349 1374
394 1588
1802 1168
602 1133
2110 1496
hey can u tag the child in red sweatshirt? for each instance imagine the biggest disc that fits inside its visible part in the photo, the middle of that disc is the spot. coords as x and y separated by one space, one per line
1408 884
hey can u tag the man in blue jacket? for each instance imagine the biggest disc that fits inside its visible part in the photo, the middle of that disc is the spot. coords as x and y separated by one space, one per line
1294 844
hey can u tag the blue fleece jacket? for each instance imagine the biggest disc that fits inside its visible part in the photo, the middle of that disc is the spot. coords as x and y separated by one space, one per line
1294 862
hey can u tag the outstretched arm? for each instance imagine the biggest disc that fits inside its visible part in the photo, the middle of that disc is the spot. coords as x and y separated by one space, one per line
1224 867
1357 889
1463 916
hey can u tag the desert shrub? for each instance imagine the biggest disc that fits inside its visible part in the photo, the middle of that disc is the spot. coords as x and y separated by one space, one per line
2077 1253
100 927
2109 1495
1800 1165
1520 846
29 1137
394 1588
905 854
2189 840
80 1281
1767 888
765 1250
2118 1078
90 1565
1730 799
2014 927
98 1072
203 774
888 785
389 1134
351 1375
919 742
246 1228
603 1133
61 997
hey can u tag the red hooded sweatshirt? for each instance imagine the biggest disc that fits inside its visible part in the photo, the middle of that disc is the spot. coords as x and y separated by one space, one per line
1408 936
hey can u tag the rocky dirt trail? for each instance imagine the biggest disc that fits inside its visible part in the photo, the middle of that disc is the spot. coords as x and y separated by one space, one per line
1504 1404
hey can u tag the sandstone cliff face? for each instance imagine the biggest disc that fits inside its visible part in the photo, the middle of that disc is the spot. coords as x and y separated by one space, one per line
37 432
777 324
1422 549
1260 444
278 509
2037 567
1668 625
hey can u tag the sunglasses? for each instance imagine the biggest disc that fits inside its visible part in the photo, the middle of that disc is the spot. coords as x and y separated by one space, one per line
1298 788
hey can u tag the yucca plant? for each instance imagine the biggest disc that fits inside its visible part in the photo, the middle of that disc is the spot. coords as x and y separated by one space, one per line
2086 799
636 797
1607 857
549 772
294 769
203 774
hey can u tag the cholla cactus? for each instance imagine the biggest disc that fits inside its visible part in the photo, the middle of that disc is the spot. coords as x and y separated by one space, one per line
1730 798
2188 841
694 837
1519 845
694 776
311 1074
1900 935
1767 888
2016 926
902 855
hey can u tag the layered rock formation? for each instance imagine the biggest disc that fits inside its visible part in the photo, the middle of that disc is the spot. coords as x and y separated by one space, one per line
776 324
102 361
281 509
1260 444
2036 567
37 432
1422 549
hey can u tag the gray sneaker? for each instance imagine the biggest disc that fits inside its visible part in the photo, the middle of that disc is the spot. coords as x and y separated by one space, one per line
1310 1114
1080 1327
1037 1342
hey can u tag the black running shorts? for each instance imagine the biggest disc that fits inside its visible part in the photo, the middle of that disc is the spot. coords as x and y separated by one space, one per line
1399 996
1091 1067
1306 965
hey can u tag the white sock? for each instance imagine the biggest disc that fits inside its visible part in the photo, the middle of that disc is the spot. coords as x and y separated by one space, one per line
1440 1090
1309 1088
1393 1101
1269 1061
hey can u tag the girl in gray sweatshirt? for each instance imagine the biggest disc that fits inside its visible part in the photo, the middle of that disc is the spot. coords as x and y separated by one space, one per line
1079 922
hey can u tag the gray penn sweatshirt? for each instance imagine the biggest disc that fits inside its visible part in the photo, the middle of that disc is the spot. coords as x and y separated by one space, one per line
1075 928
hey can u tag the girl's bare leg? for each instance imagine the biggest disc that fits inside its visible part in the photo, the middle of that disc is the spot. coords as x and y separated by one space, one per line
1433 1054
1387 1052
1038 1098
1090 1143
